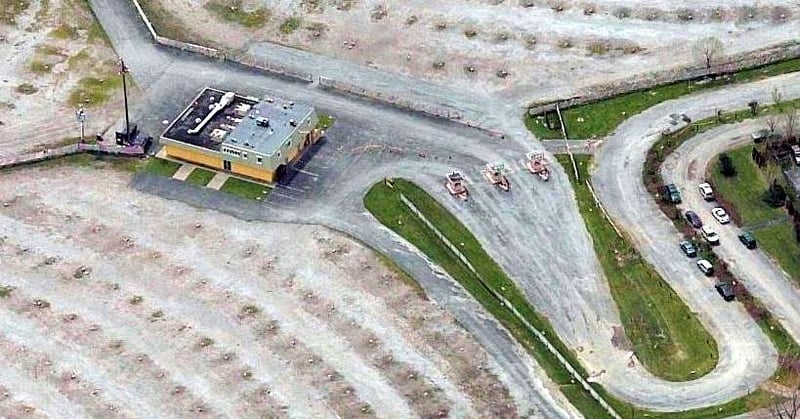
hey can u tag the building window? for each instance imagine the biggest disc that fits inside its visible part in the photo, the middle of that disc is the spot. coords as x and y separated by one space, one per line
259 160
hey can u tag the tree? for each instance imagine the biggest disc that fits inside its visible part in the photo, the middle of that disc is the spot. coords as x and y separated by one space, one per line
787 408
726 166
707 50
771 121
775 196
790 122
777 98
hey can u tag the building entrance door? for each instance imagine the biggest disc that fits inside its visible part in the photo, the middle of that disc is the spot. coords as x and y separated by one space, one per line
226 165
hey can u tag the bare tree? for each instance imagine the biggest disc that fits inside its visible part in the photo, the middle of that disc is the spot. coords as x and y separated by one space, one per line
771 121
790 122
786 409
707 50
777 98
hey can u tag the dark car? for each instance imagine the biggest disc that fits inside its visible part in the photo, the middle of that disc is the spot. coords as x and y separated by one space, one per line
725 289
693 219
688 248
748 240
671 194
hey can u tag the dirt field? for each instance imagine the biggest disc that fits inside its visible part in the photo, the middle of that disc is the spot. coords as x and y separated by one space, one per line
545 48
55 55
118 304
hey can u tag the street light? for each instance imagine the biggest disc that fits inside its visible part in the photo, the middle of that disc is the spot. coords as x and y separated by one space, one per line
80 115
123 70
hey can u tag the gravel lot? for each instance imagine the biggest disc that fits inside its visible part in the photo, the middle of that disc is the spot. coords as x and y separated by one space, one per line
56 34
550 49
128 303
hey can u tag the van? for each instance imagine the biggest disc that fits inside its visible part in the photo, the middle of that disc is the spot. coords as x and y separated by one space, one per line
709 235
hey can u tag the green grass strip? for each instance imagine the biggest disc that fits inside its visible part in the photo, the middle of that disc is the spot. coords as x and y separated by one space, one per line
666 336
161 167
602 118
200 177
245 189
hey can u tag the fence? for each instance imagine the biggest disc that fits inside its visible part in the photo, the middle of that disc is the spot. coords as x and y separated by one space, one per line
405 104
753 59
507 304
48 154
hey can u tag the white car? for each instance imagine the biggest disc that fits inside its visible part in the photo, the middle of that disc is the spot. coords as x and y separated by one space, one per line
710 235
706 191
705 267
720 214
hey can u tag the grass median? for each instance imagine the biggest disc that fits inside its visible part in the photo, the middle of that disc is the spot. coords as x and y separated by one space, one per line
384 203
666 336
601 118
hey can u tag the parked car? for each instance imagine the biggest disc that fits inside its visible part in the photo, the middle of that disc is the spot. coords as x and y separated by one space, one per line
759 136
720 214
706 191
748 240
672 194
688 248
725 289
710 235
693 219
705 267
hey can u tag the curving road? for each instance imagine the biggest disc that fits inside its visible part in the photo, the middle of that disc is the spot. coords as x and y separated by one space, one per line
747 357
762 276
535 232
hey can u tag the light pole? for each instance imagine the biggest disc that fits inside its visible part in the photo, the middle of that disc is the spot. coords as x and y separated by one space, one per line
80 115
123 70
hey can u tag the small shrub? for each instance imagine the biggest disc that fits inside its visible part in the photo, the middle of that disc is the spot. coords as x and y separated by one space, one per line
136 299
39 67
65 31
470 33
290 25
206 342
622 12
250 310
5 291
412 20
27 89
597 48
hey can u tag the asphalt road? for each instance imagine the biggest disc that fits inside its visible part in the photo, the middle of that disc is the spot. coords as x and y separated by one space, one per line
762 276
535 232
747 356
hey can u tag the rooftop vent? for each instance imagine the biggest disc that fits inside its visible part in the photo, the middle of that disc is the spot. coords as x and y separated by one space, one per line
292 122
262 122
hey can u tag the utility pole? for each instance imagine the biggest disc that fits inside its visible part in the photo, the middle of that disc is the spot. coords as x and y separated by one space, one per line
123 70
80 114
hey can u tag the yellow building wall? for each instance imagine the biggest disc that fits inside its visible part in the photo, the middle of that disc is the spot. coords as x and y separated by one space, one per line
249 171
193 156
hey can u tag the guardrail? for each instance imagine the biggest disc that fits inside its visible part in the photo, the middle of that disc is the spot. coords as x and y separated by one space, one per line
507 304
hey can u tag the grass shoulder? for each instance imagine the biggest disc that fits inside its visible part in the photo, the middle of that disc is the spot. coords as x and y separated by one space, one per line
599 119
245 189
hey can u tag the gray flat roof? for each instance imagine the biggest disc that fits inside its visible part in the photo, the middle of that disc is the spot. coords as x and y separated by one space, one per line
244 129
267 139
